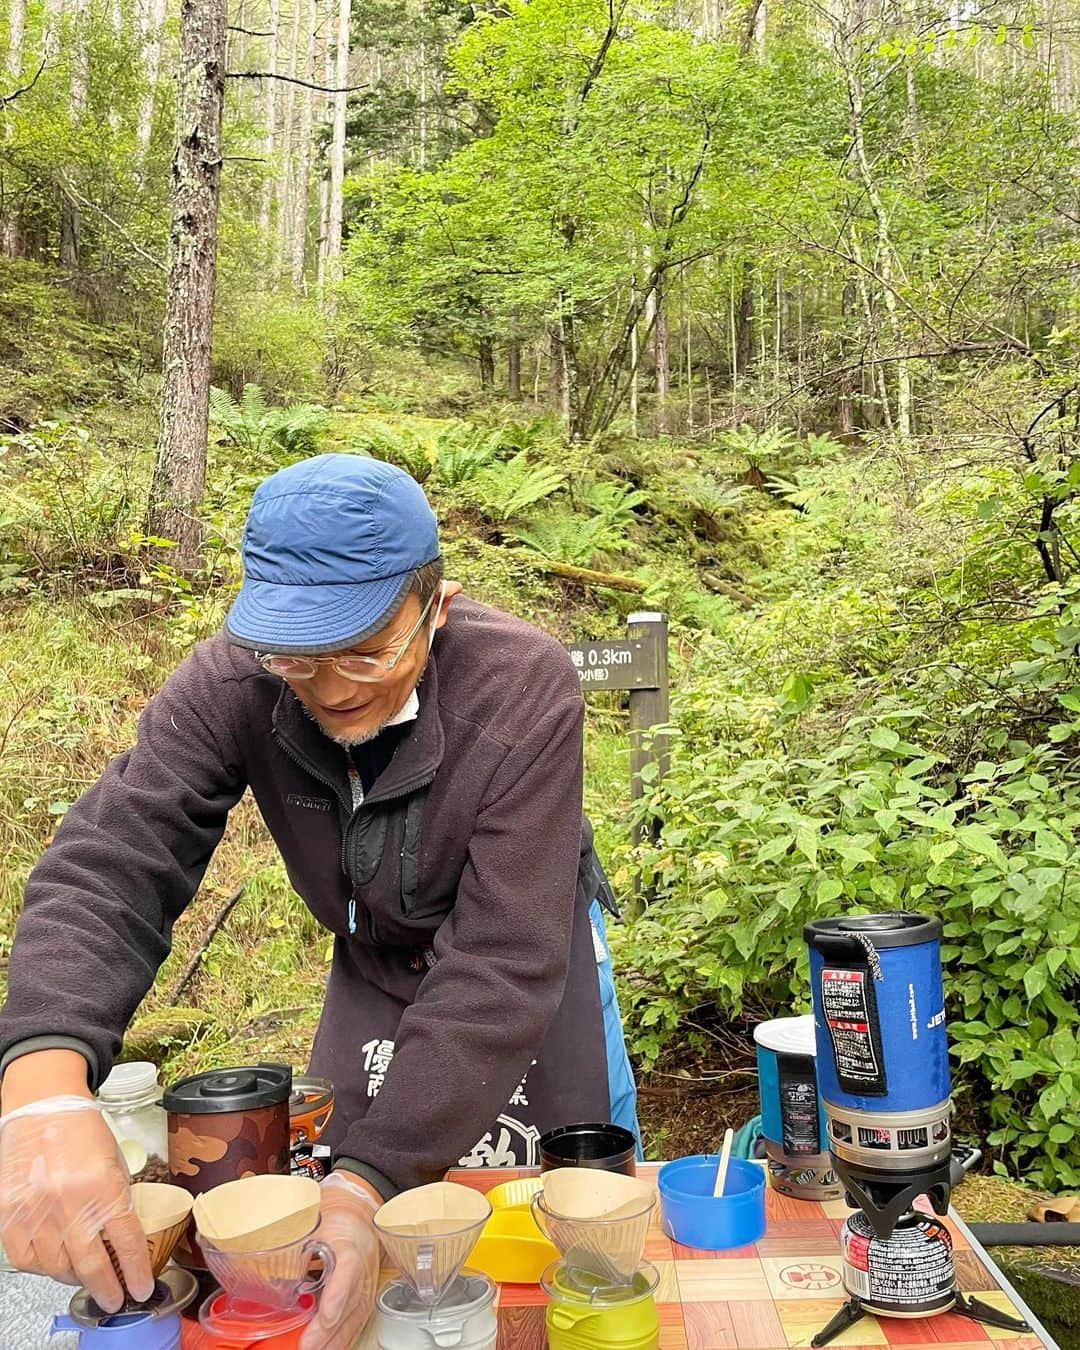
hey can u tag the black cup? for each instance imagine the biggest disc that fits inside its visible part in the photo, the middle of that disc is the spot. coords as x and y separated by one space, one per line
607 1147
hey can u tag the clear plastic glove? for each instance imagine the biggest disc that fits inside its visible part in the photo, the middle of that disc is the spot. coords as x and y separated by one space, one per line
63 1186
348 1299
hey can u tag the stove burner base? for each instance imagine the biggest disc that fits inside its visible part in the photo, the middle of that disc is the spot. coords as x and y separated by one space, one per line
854 1309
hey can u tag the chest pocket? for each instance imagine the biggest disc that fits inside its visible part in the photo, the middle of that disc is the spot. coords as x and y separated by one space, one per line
384 849
413 904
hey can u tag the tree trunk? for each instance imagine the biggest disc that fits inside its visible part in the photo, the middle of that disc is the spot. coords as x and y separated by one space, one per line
337 149
422 96
513 369
328 63
10 233
13 61
486 353
180 468
70 219
558 373
270 88
635 357
845 403
887 258
660 357
70 229
744 322
286 178
578 430
302 165
152 14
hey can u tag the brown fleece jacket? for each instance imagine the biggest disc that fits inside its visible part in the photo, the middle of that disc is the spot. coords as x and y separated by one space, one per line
467 848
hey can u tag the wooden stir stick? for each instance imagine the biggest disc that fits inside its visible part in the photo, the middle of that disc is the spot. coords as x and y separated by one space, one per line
725 1158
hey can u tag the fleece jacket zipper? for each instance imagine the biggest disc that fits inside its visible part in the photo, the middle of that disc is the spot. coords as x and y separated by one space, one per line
349 852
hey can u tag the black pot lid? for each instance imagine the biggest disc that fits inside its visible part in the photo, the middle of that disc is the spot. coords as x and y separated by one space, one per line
221 1090
896 928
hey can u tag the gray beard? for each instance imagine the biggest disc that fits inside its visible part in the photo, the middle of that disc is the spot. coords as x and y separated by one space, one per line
360 738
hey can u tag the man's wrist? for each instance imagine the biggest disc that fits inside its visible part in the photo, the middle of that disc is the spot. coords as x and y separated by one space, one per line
376 1180
43 1073
358 1184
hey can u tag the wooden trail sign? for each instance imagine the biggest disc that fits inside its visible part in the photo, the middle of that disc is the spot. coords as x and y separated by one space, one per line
639 663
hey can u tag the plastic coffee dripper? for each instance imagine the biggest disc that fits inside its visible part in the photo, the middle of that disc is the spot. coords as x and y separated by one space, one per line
599 1221
271 1278
609 1249
429 1232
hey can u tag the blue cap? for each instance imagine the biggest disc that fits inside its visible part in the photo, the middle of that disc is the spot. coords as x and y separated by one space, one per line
330 548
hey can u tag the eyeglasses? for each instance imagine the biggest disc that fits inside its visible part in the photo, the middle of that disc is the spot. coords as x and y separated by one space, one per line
360 669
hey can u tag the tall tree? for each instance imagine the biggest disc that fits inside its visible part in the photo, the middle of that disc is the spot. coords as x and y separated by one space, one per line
302 158
10 243
151 22
180 467
270 92
335 187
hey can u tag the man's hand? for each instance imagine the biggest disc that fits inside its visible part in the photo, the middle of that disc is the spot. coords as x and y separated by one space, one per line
63 1187
347 1208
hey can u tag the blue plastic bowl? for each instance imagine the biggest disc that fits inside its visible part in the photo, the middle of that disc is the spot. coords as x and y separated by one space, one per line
693 1216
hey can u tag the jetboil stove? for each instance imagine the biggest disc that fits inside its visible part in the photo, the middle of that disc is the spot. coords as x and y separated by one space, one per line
883 1072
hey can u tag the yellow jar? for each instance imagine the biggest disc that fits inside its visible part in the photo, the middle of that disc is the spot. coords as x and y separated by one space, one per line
583 1316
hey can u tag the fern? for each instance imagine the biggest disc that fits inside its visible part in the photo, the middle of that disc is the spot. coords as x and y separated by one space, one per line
460 453
561 536
755 446
266 432
613 502
400 446
504 491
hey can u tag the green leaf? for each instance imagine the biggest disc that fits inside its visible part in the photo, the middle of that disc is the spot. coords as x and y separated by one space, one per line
979 841
1063 1046
829 889
1035 981
806 841
775 848
884 738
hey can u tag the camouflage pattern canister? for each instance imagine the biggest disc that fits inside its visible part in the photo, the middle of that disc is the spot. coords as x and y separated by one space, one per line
223 1125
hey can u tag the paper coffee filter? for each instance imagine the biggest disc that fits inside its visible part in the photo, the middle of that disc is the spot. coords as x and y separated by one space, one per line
610 1249
159 1206
163 1212
257 1213
588 1193
429 1232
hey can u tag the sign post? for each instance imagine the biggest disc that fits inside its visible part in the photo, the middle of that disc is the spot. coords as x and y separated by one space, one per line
638 663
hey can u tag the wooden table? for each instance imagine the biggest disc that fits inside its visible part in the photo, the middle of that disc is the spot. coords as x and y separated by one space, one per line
776 1294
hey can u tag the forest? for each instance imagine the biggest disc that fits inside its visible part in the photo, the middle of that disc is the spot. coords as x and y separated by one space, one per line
761 313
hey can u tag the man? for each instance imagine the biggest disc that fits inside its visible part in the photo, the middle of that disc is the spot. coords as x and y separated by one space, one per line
417 758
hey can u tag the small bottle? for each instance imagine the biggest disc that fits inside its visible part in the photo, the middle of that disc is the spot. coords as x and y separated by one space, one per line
131 1103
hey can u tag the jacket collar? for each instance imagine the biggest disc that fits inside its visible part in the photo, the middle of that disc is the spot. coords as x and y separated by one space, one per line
415 763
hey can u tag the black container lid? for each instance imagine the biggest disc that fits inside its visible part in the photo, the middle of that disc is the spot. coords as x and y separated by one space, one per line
221 1090
898 928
